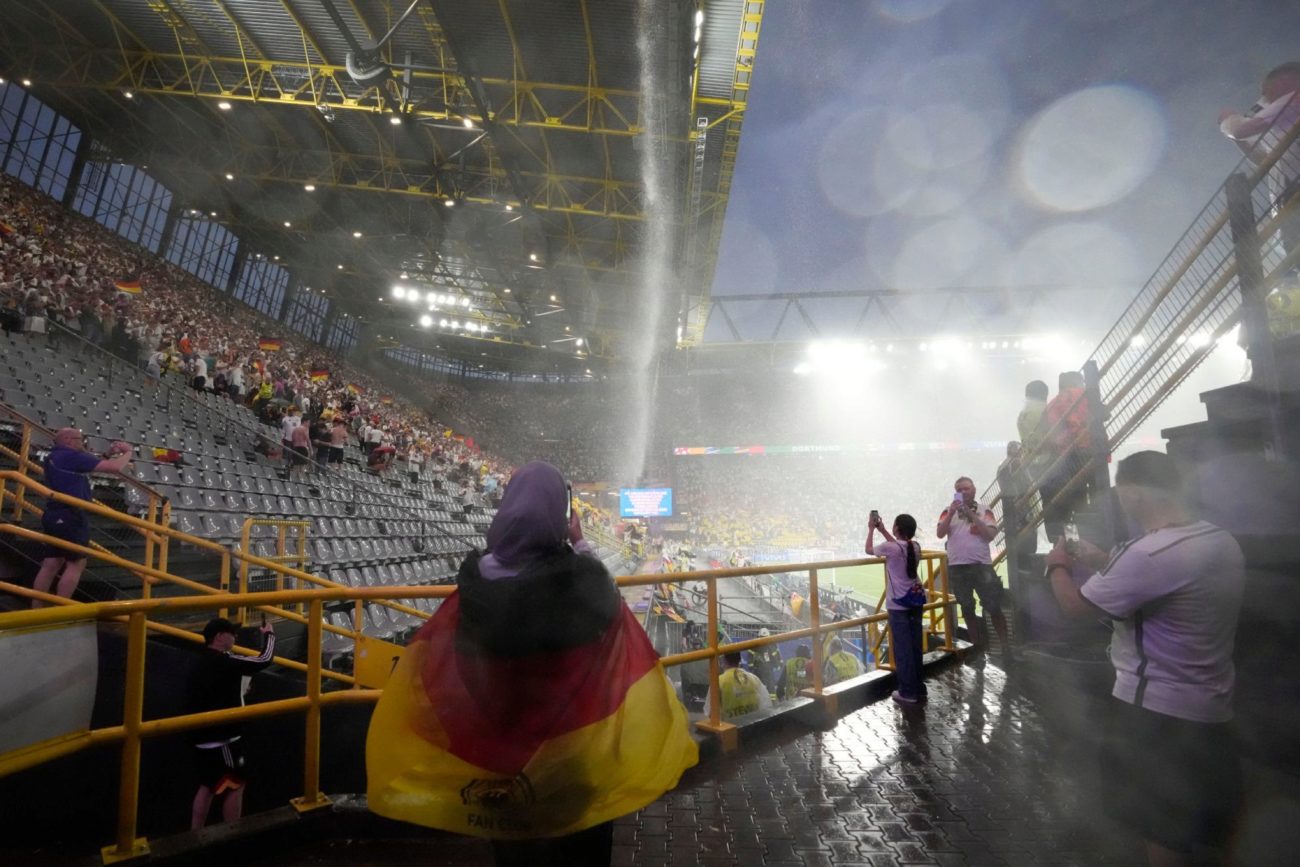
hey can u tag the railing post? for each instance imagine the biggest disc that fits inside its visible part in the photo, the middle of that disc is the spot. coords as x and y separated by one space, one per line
728 735
1254 337
24 452
312 798
815 617
225 582
164 542
127 844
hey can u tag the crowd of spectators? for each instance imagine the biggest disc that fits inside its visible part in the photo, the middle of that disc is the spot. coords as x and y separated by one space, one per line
60 275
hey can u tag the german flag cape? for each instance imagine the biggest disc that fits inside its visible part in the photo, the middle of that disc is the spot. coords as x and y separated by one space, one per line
319 374
129 284
269 344
525 708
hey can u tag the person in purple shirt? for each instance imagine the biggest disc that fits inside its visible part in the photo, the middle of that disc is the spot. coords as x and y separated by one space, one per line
67 471
1169 762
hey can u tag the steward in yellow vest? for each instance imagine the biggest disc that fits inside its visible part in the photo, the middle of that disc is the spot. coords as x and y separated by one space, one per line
795 675
841 666
740 692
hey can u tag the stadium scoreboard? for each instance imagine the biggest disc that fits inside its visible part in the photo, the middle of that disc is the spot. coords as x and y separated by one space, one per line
645 502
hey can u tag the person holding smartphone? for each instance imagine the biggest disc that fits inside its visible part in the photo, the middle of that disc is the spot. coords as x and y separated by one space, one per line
902 582
968 527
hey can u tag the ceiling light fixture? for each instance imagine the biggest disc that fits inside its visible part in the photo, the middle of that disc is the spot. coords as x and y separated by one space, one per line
426 320
288 225
395 120
229 176
128 94
27 82
223 105
311 188
356 234
469 124
451 203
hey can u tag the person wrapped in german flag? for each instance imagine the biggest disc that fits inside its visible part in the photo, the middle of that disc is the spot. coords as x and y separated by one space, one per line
531 707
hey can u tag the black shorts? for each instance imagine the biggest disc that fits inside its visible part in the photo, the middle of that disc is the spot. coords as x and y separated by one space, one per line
70 525
336 454
969 579
1173 781
297 458
219 768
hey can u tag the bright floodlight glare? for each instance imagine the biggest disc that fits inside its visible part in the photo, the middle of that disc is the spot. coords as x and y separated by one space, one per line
229 176
399 292
442 323
469 124
699 17
27 82
510 207
128 94
431 297
288 225
340 267
356 234
532 257
223 105
450 203
395 120
578 342
311 188
464 301
470 326
1199 339
426 320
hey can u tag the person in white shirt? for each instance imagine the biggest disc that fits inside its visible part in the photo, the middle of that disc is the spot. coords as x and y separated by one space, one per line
1169 764
968 527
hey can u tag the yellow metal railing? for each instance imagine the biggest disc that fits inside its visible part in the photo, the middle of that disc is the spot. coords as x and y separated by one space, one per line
298 559
286 604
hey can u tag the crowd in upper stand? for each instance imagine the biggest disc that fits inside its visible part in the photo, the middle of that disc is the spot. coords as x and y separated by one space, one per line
63 268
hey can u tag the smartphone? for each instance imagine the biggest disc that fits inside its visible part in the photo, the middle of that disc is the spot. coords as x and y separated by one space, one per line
1071 534
875 516
568 501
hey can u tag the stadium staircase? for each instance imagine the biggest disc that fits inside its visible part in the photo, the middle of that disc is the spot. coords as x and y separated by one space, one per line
1229 278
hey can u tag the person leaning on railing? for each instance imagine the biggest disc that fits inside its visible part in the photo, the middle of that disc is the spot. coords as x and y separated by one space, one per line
67 471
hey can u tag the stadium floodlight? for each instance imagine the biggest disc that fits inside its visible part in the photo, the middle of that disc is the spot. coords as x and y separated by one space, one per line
577 342
469 123
224 105
431 297
395 120
470 326
311 188
442 323
426 320
399 292
356 234
464 301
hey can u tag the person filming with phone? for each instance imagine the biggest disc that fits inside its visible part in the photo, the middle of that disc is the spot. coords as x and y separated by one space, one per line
968 527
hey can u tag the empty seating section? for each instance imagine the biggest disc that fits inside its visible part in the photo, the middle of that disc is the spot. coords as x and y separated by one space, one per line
363 530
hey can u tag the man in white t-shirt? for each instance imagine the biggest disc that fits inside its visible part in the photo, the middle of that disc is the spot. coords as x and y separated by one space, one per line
1169 766
968 527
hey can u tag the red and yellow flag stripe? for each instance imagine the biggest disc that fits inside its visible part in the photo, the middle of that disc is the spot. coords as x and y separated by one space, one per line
518 748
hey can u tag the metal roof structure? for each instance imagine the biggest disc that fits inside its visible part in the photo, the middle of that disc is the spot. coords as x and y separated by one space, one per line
495 150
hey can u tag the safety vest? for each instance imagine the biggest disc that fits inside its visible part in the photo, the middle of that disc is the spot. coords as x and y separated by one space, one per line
841 666
739 692
796 675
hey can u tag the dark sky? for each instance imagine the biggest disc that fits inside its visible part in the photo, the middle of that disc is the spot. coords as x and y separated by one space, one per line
931 143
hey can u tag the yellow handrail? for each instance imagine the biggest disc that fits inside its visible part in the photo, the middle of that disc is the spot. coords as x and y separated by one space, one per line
134 728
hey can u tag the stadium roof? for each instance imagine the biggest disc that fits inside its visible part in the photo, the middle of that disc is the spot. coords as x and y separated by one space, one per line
489 149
